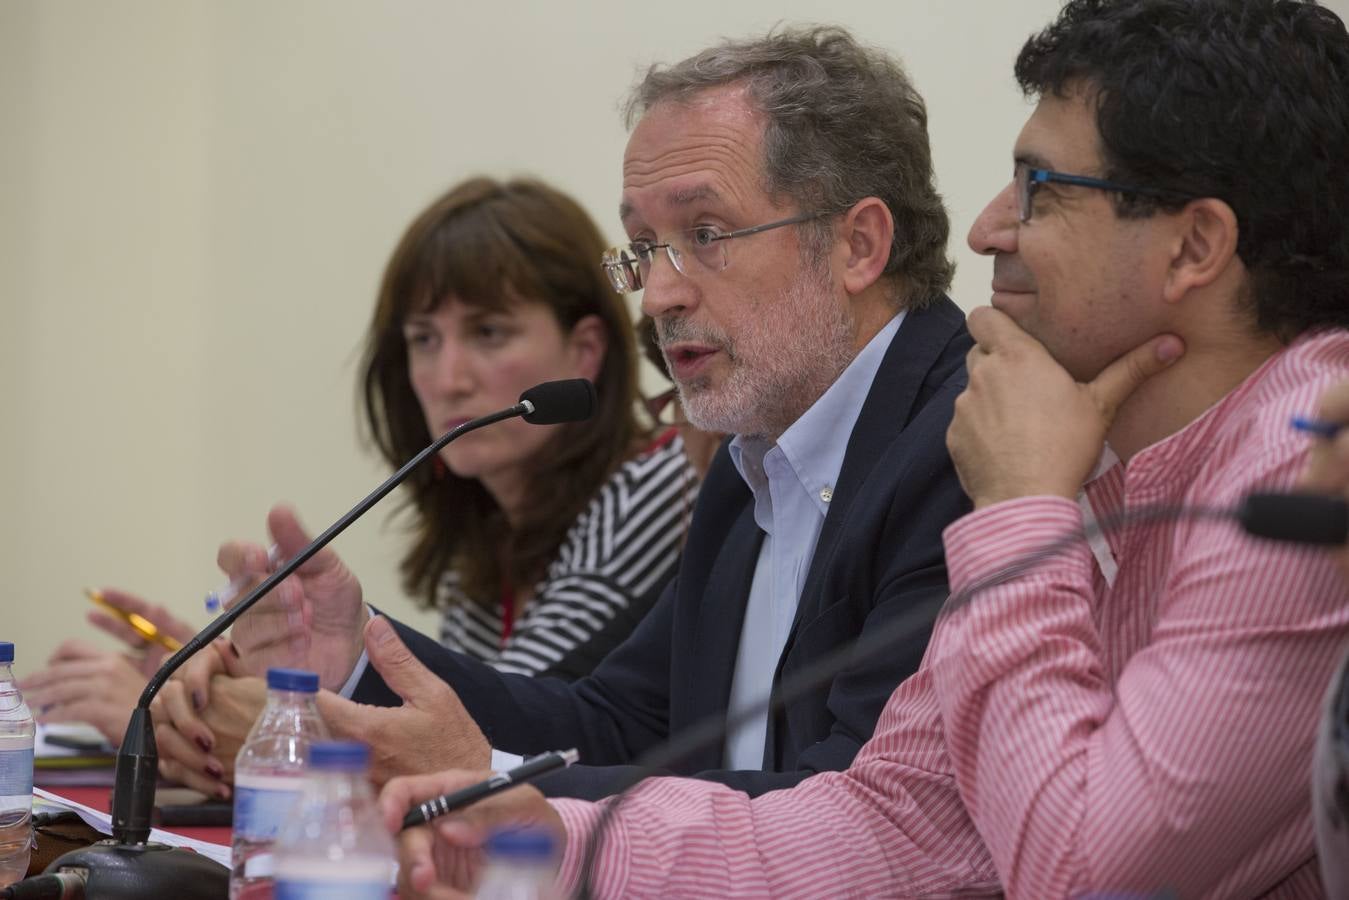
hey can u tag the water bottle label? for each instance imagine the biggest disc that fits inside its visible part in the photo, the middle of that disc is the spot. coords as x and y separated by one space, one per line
16 771
261 804
261 865
331 890
360 878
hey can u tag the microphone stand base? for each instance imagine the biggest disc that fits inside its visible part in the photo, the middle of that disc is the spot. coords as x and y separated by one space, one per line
116 871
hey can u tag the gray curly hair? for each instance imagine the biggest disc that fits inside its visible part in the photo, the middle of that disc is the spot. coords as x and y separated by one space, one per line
842 122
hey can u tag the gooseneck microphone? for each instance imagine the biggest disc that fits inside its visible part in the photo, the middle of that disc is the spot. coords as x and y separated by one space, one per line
128 867
555 402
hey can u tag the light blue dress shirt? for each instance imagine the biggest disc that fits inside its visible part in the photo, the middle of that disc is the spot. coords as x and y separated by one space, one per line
793 482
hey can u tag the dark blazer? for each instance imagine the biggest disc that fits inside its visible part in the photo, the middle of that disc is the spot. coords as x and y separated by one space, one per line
879 551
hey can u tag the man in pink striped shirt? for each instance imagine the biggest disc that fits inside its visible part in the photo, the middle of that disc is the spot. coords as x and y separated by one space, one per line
1135 713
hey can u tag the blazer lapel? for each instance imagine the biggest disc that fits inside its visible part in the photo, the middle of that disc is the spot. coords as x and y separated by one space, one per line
898 389
890 403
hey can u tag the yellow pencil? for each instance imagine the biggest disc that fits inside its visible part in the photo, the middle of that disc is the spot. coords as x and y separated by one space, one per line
144 627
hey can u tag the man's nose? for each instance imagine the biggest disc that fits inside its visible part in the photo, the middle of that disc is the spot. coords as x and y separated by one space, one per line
666 290
995 229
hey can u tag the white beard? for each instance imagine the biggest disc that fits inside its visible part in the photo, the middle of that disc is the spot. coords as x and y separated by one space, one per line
778 370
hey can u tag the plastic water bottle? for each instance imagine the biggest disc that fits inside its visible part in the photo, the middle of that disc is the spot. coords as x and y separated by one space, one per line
269 774
16 774
335 845
521 865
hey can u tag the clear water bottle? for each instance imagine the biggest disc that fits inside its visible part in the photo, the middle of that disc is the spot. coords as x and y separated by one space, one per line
269 774
521 865
16 774
335 845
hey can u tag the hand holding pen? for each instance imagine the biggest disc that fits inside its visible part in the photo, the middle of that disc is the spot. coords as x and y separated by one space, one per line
454 801
220 599
448 853
1328 467
1322 428
83 682
1327 470
137 623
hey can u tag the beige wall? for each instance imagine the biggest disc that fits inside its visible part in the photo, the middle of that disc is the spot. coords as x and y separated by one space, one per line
196 200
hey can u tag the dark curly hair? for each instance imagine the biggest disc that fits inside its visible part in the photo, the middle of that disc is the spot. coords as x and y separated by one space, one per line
1243 100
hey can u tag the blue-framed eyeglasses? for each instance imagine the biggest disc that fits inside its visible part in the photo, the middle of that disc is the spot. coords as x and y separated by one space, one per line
694 251
1029 178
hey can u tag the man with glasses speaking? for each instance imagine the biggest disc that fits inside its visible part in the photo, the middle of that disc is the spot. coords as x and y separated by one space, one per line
791 247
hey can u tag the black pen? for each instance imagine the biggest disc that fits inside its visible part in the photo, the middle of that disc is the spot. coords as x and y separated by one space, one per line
527 771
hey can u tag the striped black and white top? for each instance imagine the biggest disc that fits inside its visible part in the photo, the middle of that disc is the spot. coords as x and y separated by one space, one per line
609 570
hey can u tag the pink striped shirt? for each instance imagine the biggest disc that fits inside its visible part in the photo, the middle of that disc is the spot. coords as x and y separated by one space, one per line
1064 735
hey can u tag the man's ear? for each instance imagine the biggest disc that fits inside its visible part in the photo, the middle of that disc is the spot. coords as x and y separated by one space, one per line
1205 243
864 237
588 342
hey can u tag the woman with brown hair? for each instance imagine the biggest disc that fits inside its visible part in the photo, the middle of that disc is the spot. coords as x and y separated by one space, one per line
542 545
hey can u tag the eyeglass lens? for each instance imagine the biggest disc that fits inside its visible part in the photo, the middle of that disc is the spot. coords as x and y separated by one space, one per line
628 267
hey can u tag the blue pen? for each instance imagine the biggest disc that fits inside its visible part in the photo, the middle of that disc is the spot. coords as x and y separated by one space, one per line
1317 427
219 599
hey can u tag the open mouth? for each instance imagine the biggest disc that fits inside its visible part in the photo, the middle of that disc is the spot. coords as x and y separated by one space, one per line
687 360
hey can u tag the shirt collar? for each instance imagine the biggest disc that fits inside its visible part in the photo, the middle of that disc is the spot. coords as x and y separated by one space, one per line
815 444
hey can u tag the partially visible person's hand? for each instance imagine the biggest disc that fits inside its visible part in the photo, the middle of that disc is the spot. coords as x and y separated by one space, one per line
198 741
312 620
443 860
201 669
150 655
187 760
429 732
1024 426
1328 466
83 683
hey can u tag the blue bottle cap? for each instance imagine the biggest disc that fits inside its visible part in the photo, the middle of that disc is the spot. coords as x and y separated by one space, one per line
6 652
522 844
341 756
293 680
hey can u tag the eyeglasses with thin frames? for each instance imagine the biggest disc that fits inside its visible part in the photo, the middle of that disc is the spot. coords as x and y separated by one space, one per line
1028 179
693 252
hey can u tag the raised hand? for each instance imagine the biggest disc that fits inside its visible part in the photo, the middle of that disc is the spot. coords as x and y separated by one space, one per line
312 620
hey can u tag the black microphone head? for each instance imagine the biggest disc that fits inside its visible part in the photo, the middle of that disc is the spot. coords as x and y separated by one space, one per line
1302 518
560 401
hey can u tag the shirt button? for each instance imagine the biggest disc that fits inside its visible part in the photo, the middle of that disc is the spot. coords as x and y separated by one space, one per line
826 494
